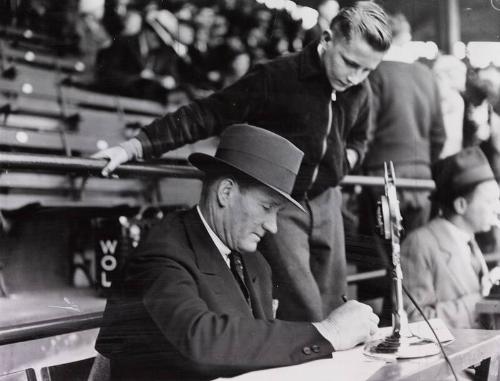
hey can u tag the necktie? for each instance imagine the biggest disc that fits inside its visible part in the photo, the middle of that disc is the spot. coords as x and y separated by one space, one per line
236 265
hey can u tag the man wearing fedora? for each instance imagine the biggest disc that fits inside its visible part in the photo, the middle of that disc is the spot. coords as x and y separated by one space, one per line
443 267
319 100
194 302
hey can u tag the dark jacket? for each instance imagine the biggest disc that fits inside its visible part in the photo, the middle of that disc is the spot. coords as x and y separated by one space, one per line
290 96
179 314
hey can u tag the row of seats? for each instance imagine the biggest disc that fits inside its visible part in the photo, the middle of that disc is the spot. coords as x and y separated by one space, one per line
41 113
74 371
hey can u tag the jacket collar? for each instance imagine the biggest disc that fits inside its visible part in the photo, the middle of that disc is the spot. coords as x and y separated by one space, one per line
310 66
309 62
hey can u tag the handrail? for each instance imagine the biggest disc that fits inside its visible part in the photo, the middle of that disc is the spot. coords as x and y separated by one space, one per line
46 328
87 167
90 167
378 181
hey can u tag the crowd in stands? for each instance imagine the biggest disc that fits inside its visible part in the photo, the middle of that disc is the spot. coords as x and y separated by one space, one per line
151 49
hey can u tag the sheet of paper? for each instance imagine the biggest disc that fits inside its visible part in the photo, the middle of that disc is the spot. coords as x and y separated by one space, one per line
420 328
350 365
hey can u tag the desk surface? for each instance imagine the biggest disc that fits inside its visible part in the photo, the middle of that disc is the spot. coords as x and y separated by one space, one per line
470 347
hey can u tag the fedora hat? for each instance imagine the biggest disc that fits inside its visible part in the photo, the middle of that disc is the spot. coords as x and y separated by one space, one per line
460 172
260 154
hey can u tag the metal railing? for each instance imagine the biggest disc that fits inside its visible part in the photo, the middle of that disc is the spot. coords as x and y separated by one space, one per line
92 167
46 328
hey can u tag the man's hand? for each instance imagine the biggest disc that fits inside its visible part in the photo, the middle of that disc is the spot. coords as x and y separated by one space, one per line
350 324
116 155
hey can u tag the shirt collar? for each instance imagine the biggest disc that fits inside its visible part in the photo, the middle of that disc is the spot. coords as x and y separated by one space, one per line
223 249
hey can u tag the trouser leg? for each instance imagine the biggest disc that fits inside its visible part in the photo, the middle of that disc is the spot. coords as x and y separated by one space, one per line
307 257
327 246
287 252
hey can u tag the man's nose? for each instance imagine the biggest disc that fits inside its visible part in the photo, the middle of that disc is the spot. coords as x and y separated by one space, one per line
271 223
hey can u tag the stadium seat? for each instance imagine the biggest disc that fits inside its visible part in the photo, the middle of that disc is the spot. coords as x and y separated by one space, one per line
74 371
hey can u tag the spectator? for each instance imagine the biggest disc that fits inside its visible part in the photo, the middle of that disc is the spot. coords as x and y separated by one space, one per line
443 267
138 63
451 75
93 37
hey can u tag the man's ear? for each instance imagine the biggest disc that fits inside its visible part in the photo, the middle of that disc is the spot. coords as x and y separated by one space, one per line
225 190
326 36
460 204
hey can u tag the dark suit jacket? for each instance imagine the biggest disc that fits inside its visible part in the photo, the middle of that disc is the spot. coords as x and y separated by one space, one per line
179 314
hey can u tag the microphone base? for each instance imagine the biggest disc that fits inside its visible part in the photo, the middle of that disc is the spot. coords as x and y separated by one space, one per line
395 346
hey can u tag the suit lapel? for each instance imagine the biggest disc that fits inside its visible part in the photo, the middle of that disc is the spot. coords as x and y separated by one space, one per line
210 260
457 256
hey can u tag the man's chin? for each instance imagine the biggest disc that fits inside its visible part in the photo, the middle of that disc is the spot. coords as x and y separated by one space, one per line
250 247
340 88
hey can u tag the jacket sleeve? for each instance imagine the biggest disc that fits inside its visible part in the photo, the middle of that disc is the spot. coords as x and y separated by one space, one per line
438 132
219 344
206 117
357 137
419 271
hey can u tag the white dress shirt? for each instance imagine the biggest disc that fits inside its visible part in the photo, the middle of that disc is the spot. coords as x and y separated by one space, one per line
223 249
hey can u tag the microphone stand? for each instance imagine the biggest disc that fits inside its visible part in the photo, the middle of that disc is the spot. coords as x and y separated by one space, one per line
401 343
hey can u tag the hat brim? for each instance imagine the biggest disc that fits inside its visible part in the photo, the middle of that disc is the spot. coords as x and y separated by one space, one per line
207 163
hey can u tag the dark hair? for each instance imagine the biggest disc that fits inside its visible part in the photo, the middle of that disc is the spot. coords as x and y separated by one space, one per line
365 19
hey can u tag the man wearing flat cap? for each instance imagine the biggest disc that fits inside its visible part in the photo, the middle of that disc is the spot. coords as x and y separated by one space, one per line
443 267
194 302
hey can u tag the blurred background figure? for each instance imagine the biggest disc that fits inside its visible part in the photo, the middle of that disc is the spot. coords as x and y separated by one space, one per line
482 128
481 122
327 10
141 61
237 65
407 129
451 75
92 35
